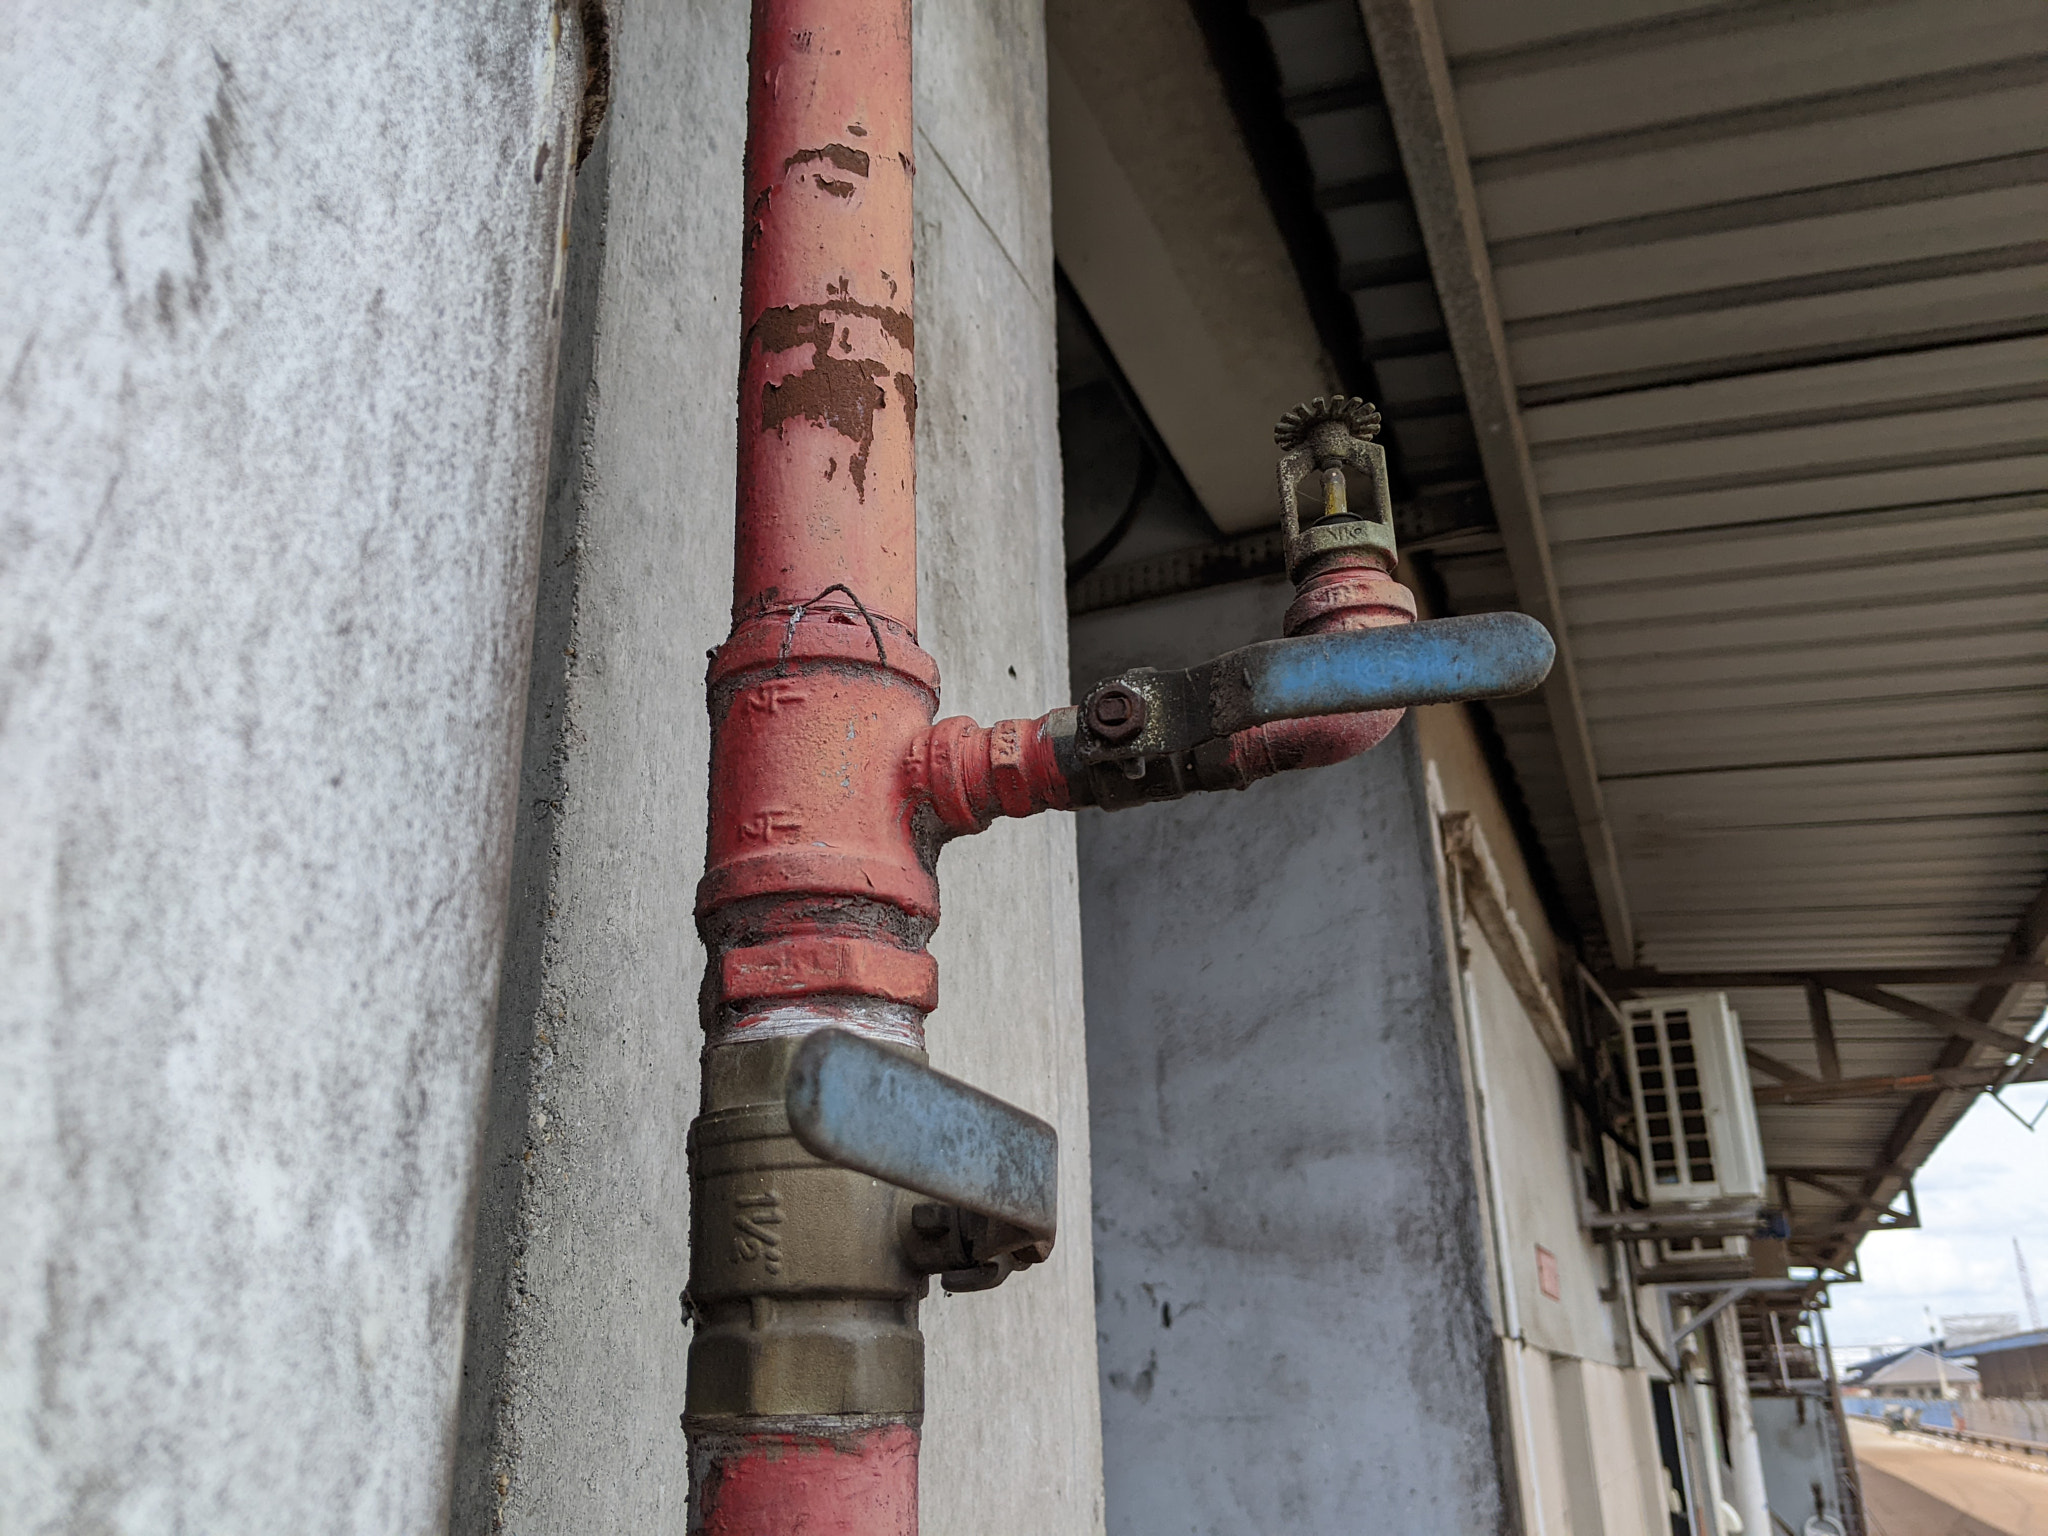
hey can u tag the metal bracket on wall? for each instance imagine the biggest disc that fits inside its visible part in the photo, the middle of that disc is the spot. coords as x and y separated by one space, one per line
1727 1297
1704 1218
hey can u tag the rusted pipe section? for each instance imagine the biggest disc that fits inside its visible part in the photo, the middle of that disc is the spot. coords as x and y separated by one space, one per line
1342 564
1347 593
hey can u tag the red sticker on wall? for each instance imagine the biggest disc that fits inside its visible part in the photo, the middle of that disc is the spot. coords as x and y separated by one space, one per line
1546 1274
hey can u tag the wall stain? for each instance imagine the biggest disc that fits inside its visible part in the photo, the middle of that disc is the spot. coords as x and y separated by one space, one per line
1138 1384
219 148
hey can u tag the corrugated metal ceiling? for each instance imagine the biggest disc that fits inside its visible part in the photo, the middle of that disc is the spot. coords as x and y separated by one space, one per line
1774 285
1775 289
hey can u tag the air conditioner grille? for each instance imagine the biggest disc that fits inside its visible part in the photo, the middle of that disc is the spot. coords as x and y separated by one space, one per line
1674 1114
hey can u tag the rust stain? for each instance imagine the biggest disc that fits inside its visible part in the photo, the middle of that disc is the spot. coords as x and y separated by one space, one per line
834 188
906 387
852 161
842 393
793 325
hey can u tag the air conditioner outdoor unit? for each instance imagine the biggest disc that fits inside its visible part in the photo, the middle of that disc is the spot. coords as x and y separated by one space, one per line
1695 1119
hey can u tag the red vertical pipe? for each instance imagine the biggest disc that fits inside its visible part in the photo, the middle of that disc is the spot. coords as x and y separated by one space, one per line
817 897
862 1482
821 690
828 397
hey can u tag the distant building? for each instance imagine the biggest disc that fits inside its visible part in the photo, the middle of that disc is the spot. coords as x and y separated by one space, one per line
2016 1366
1915 1372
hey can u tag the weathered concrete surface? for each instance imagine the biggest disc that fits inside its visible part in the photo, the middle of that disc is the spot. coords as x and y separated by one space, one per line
278 364
1012 1438
1165 231
575 1368
1289 1241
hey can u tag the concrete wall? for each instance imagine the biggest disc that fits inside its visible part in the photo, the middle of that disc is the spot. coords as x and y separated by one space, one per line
271 449
574 1366
576 1353
1290 1251
1164 229
1012 1433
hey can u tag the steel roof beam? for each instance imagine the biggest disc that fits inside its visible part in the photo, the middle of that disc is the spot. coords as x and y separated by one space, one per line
1909 1141
1783 1072
1995 979
1940 1018
1811 1092
1415 78
1823 1031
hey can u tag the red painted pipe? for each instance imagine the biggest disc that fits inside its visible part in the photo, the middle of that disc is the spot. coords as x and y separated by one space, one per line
815 874
858 1482
818 894
1352 595
974 775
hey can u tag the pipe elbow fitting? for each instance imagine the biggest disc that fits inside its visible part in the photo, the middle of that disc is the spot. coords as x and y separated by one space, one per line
1345 595
1264 750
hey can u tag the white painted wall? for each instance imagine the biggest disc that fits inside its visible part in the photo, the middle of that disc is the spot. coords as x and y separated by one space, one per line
577 1355
279 355
1610 1449
1538 1174
1577 1405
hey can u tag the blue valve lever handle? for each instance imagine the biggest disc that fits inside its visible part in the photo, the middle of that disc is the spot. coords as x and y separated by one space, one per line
1442 661
870 1108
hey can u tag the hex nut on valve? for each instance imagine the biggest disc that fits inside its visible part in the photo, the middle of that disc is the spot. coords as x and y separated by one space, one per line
1116 713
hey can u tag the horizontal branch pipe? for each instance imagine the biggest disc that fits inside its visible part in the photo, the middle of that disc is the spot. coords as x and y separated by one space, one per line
1303 702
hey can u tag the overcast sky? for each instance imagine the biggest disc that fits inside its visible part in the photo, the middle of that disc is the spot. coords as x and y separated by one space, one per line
1986 1184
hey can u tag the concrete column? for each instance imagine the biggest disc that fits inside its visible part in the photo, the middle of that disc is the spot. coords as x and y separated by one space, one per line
1289 1231
271 453
575 1364
1012 1436
1746 1488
